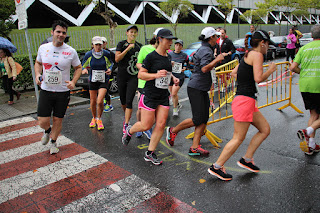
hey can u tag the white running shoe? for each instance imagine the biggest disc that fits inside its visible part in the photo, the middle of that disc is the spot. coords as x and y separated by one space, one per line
179 106
45 138
54 149
175 112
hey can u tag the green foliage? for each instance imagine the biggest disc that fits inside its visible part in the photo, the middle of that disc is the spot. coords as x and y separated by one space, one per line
255 16
7 7
170 7
226 7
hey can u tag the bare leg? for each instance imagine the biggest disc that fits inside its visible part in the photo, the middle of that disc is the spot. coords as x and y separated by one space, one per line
128 113
56 127
314 122
198 132
147 120
44 122
174 95
185 124
93 102
101 94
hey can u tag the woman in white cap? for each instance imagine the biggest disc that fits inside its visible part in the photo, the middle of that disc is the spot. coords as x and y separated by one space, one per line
198 87
144 51
244 107
126 56
98 64
154 103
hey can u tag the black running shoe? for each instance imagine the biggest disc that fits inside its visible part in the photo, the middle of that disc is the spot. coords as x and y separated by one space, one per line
219 173
153 158
126 137
248 165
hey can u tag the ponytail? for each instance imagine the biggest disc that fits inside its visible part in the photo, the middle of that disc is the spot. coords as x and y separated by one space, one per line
201 38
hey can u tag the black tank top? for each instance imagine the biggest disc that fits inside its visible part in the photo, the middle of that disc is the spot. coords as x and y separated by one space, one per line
245 79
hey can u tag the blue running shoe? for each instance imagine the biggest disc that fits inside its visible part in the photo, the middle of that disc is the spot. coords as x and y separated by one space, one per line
108 108
148 133
138 134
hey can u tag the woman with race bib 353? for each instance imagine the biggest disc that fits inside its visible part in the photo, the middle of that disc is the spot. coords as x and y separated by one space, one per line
97 63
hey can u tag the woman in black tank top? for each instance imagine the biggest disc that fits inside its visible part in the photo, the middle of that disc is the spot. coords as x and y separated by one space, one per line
245 112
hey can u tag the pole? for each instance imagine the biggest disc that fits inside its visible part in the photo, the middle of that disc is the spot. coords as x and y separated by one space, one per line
238 19
31 64
144 24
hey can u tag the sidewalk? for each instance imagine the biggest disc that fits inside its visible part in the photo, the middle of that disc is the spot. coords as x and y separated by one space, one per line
27 104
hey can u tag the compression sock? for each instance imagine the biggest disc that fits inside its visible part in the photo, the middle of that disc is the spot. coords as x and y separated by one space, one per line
48 130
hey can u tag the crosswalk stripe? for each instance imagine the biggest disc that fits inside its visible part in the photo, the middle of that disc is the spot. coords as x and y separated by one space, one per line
133 191
16 121
18 126
17 142
33 162
30 181
20 133
31 149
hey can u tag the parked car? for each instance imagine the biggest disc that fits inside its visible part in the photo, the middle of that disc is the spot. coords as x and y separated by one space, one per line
240 49
83 81
280 45
307 38
192 48
271 53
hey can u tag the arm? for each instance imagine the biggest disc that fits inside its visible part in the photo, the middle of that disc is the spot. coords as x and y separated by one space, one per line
144 75
295 67
235 71
213 63
77 73
13 67
257 63
233 49
139 65
38 71
294 39
120 55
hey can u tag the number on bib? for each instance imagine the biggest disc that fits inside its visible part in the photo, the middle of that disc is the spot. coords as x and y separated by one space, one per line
98 76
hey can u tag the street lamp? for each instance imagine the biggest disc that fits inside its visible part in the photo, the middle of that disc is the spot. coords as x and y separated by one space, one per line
239 18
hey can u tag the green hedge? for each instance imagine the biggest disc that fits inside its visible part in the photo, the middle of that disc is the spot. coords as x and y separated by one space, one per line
24 79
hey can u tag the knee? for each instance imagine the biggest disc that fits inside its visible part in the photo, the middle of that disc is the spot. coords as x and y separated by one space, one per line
161 124
174 95
100 102
265 130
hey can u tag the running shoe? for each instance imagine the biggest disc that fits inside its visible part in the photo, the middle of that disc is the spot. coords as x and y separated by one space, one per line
249 165
302 135
45 138
170 136
138 134
198 151
108 108
54 149
92 123
153 158
179 106
148 133
175 112
124 128
126 137
307 149
100 124
104 102
219 173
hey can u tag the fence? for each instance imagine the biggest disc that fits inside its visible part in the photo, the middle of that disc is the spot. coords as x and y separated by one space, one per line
81 39
277 88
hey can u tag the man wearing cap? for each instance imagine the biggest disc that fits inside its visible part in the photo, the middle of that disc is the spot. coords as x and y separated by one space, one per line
198 87
126 56
179 62
54 61
225 45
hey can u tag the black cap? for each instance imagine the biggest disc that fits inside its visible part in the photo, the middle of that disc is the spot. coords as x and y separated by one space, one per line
179 41
132 27
263 35
165 33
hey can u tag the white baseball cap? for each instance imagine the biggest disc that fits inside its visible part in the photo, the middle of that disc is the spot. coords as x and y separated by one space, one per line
104 39
97 40
157 30
208 32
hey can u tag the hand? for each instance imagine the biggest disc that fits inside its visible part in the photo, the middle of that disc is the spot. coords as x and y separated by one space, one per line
272 66
38 82
84 71
183 69
161 73
220 57
225 54
176 81
130 46
14 78
108 72
70 84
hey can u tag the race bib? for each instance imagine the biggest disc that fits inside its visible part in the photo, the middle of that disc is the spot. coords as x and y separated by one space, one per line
53 77
289 41
163 82
98 76
177 67
213 76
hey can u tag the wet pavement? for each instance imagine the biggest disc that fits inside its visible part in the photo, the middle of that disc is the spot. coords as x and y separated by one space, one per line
94 172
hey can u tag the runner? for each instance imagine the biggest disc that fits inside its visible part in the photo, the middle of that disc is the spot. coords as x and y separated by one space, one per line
144 51
198 87
249 35
154 103
54 61
98 64
126 57
244 108
309 84
291 45
107 101
298 35
179 61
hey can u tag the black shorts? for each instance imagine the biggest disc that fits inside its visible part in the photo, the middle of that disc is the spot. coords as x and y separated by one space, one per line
55 103
152 104
98 85
181 77
311 101
200 104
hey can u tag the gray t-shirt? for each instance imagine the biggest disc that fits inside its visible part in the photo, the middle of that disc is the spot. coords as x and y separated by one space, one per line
203 56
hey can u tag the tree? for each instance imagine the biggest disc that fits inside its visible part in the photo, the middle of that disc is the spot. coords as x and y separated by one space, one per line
255 16
226 7
181 8
6 23
102 9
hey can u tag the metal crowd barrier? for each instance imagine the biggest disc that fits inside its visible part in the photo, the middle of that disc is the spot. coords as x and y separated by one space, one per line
277 88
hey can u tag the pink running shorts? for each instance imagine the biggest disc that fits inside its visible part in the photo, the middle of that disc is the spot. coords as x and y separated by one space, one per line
243 108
